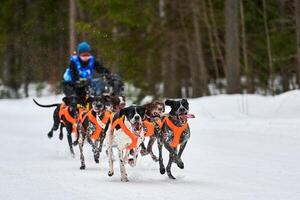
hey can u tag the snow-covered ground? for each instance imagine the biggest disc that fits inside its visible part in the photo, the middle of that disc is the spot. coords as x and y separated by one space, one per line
242 147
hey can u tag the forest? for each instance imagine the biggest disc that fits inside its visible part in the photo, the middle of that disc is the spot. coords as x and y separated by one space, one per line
164 48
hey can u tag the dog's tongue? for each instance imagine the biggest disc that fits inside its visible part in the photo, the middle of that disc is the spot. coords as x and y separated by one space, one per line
136 126
190 116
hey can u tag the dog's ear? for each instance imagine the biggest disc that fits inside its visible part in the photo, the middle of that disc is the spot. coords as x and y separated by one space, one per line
65 100
142 111
185 102
169 102
164 107
107 98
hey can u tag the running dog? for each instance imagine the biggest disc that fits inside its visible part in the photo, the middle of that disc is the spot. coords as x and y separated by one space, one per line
91 126
175 134
126 130
64 115
152 126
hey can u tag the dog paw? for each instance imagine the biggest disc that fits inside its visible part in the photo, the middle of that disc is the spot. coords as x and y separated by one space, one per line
171 176
154 158
61 136
96 160
50 134
124 179
180 164
82 167
110 173
131 162
162 170
75 143
143 152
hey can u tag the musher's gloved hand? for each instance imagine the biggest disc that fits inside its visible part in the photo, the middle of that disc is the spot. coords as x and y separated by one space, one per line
81 83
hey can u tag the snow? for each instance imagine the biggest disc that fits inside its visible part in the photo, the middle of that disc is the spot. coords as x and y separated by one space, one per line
242 147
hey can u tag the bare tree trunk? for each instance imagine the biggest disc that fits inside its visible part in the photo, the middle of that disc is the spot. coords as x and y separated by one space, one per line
232 47
72 30
271 78
211 40
297 12
244 47
166 65
193 67
215 34
199 50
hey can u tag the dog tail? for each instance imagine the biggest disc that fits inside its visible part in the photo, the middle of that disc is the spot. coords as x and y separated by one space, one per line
45 106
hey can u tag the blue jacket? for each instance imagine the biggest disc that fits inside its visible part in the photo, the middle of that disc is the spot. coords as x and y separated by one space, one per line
85 72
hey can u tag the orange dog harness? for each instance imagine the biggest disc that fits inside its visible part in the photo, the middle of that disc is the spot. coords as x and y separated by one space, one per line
150 126
64 112
96 134
177 131
133 137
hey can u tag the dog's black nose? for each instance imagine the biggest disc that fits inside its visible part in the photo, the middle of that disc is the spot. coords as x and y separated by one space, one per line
181 109
137 117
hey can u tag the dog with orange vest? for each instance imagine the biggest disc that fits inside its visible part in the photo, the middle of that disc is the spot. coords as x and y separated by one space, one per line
64 115
175 134
126 131
91 125
152 126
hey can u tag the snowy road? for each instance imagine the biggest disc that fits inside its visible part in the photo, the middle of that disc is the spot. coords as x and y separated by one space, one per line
241 148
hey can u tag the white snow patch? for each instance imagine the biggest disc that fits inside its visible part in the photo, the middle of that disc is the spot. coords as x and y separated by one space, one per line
242 147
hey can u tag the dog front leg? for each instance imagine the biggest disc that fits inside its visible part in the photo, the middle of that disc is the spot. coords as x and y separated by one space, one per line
122 166
61 131
102 137
110 153
160 159
132 161
143 150
149 148
179 162
171 157
81 143
96 151
56 122
69 136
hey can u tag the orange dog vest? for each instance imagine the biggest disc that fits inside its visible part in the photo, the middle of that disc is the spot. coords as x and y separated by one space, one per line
177 131
64 112
150 126
132 136
96 134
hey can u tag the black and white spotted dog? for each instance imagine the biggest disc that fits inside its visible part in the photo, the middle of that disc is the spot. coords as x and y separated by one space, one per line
128 119
177 118
71 102
87 126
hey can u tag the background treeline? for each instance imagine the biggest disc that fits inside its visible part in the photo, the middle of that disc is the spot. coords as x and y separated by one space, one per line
170 48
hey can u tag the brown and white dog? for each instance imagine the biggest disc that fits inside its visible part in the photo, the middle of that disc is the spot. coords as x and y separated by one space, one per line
126 131
118 103
152 126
